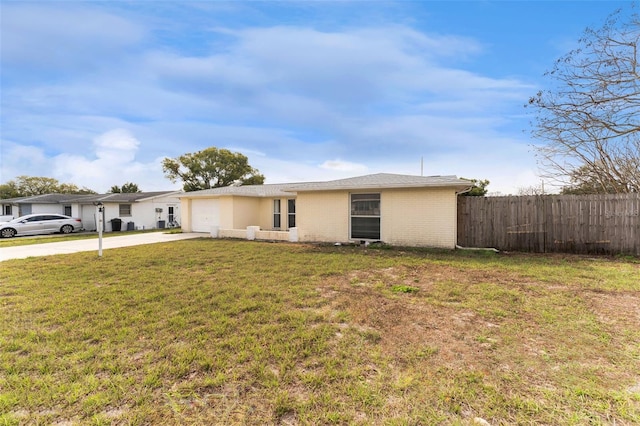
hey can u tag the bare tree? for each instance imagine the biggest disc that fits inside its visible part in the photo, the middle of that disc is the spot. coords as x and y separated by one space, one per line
590 117
531 190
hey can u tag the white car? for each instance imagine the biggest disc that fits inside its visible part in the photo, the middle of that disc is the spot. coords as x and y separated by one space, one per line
40 223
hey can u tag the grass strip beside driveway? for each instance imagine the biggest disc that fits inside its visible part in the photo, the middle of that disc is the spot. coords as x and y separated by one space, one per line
213 331
56 238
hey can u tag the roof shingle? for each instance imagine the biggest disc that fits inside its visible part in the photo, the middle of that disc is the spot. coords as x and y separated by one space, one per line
382 181
86 199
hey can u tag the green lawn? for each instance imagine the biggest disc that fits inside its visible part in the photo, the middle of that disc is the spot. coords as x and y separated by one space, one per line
213 331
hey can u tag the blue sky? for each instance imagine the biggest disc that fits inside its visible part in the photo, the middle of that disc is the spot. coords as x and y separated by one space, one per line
98 93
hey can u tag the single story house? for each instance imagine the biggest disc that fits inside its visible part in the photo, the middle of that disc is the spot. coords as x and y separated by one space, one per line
139 210
395 209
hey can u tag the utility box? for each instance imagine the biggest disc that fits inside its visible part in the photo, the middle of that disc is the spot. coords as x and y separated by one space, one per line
131 226
161 224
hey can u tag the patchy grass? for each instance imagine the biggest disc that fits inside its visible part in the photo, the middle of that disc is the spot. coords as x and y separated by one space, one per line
402 288
231 332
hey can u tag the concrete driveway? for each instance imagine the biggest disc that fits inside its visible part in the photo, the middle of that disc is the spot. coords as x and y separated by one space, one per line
75 246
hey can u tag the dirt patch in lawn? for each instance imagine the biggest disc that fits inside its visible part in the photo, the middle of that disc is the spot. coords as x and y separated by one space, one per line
410 325
495 322
620 309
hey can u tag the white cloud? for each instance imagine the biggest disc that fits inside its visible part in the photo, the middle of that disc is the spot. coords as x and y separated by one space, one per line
114 163
115 146
277 170
344 166
351 69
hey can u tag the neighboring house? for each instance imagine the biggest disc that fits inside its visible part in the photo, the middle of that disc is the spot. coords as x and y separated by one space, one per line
395 209
46 203
139 210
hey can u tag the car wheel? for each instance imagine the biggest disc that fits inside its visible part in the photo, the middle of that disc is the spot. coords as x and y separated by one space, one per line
8 232
66 229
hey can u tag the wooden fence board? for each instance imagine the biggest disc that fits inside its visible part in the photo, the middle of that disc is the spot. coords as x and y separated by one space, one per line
552 223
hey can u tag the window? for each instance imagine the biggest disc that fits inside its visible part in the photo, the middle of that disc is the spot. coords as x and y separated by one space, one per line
7 210
276 214
171 215
67 210
365 216
125 210
291 212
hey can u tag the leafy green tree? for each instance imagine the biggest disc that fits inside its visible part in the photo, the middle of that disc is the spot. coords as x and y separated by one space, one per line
25 186
128 188
479 188
9 190
69 188
35 185
589 118
211 168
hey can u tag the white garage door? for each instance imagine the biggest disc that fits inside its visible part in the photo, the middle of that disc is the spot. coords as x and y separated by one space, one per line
204 215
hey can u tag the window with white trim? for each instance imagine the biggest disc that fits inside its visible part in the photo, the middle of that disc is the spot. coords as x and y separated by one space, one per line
365 216
276 214
291 213
125 210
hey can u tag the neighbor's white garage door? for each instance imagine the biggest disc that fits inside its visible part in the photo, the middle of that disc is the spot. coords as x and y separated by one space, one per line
204 215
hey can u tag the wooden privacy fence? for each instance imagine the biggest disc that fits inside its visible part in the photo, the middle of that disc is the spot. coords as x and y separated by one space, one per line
608 224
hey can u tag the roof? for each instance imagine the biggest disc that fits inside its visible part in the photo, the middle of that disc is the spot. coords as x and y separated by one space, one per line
87 199
266 190
383 181
120 197
375 181
40 199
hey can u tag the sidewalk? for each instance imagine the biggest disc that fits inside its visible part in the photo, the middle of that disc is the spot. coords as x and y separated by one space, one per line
75 246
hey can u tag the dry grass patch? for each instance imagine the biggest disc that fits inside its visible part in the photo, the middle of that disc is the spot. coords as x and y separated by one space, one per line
488 342
231 332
